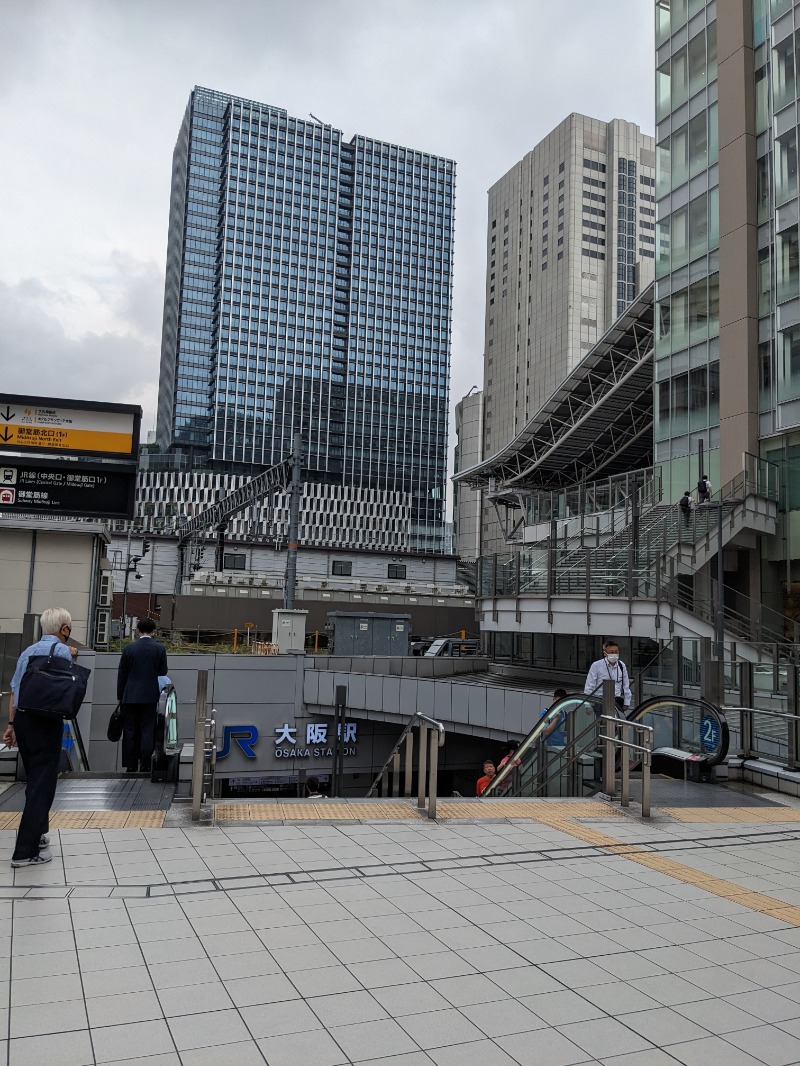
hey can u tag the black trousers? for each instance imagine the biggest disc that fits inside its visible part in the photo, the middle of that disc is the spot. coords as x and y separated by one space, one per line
39 737
138 735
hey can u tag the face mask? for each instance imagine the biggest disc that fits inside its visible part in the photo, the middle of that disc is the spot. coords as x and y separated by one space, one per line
613 658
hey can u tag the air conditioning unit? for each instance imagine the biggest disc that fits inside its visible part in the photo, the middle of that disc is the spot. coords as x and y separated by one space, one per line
106 590
323 584
102 629
362 585
381 588
406 588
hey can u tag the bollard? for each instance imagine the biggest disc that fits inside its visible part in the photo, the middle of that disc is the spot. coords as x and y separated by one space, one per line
201 712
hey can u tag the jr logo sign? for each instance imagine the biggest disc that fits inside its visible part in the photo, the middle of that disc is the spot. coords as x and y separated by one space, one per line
246 736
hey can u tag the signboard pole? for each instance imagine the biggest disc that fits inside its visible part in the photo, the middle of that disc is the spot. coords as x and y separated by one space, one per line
338 745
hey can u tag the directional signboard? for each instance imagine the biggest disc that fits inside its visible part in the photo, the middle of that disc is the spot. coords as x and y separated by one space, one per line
69 427
66 487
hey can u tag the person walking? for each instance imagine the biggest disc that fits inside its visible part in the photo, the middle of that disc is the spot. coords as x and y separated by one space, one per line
704 489
686 504
39 738
142 663
610 668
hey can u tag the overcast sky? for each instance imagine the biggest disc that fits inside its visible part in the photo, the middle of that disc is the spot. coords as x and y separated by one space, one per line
92 93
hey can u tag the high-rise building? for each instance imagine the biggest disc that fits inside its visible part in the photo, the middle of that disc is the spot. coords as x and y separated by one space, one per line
308 288
467 501
570 241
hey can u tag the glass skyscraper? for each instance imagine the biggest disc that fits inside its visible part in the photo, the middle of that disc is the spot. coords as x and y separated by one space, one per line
308 288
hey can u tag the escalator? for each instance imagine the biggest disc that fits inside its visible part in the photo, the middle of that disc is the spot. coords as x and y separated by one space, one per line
562 756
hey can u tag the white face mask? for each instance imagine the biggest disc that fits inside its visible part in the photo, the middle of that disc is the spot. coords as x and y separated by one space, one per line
613 658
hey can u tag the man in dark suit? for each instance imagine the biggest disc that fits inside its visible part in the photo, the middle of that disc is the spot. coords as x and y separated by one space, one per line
137 690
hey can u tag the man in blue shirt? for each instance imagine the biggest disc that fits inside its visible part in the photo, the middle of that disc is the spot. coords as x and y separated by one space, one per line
39 738
553 733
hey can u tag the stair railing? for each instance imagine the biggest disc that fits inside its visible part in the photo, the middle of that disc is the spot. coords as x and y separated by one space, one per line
398 771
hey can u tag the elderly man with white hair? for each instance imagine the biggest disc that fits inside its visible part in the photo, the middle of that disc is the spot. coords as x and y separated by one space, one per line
39 738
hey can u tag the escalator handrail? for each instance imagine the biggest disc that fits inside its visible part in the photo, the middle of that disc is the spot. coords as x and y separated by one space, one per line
708 708
566 704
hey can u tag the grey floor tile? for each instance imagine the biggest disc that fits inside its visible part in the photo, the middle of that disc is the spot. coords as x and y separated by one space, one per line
324 981
381 1038
442 964
502 1017
485 1052
603 1037
413 1058
719 1016
244 1053
766 1005
169 1058
193 1031
475 988
176 974
561 1008
250 964
400 1000
440 1028
347 1008
767 1043
123 1008
653 1057
368 949
387 972
194 999
315 1047
525 981
549 1047
30 990
270 988
710 1051
141 1039
64 1049
662 1026
59 962
280 1019
39 1020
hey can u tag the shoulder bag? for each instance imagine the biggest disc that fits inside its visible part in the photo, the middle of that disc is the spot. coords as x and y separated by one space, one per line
53 684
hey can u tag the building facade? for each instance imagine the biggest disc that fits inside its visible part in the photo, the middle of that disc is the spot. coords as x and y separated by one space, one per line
308 288
467 501
570 241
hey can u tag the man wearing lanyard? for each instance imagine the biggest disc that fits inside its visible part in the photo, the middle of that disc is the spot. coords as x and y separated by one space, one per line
610 668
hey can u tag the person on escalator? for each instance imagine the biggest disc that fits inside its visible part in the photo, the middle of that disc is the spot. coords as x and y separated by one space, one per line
610 668
553 733
489 774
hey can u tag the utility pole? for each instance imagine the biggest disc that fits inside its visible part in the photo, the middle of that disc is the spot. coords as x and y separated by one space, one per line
294 525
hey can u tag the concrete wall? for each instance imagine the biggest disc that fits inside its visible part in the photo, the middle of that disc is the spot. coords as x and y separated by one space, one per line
269 692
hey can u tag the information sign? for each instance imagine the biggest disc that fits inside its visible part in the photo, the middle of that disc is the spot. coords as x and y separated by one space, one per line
44 424
66 487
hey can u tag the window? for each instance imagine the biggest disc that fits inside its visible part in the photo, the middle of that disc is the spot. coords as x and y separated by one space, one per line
397 571
341 569
234 562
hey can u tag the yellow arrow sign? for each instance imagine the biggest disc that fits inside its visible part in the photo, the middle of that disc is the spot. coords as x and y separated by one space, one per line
65 429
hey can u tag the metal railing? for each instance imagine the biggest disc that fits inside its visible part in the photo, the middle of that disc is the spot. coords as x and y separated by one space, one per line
400 763
204 758
614 730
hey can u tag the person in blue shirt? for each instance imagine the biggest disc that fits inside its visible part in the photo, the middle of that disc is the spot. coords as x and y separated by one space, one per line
39 738
553 734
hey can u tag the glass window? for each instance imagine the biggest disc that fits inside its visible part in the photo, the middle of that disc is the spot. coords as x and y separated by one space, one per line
698 398
764 282
678 14
234 562
679 237
663 91
662 21
662 411
789 364
783 72
697 63
698 227
680 156
762 188
787 265
711 45
663 247
713 134
663 320
759 22
397 571
680 319
698 144
680 404
713 394
698 311
786 167
713 217
713 305
679 80
341 569
762 100
779 7
765 376
663 171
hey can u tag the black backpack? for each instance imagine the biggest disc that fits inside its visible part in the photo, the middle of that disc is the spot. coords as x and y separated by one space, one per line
684 503
701 486
53 685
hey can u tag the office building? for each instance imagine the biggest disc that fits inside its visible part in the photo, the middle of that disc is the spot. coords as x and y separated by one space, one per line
467 501
308 288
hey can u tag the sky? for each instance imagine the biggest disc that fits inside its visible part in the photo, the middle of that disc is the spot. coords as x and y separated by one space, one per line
92 93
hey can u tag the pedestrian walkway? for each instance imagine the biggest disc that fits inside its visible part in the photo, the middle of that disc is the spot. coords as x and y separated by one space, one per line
570 934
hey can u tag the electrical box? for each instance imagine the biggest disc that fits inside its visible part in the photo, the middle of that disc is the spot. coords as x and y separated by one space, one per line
368 633
289 629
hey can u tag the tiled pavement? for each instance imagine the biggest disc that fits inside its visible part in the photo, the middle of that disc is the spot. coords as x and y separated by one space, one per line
578 938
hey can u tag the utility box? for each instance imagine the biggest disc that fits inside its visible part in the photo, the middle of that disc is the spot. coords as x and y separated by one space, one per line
289 630
368 633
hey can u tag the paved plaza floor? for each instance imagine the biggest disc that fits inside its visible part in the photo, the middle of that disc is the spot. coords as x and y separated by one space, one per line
546 933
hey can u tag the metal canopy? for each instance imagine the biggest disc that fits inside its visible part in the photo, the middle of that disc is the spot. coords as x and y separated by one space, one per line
597 423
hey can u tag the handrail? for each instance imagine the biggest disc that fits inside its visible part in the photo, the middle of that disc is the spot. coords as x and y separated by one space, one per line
428 761
611 741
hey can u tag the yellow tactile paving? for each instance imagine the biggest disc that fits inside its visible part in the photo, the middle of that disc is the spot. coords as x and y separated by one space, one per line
107 820
756 815
93 819
305 811
145 819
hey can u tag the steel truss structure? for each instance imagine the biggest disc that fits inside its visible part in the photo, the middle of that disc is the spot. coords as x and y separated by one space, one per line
599 422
